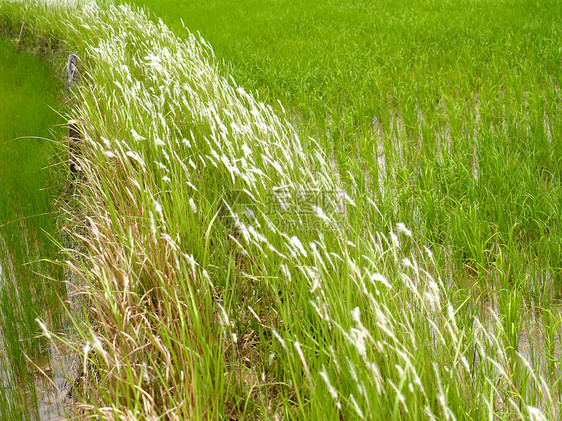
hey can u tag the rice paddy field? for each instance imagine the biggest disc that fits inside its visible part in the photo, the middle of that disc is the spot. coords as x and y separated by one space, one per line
310 210
28 287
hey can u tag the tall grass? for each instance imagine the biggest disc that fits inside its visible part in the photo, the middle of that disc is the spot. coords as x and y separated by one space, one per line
27 224
214 289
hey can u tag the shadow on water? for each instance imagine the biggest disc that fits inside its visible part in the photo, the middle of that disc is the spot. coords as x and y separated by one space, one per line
30 286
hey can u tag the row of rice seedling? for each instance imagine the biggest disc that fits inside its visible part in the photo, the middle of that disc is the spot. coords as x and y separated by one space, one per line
28 286
227 272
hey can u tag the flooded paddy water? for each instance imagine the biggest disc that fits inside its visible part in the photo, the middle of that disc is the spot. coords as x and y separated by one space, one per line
30 286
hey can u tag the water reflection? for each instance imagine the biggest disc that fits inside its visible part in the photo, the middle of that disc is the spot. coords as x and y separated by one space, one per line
32 370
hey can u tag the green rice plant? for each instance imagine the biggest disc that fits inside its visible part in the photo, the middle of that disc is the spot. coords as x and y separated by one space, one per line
27 284
551 326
